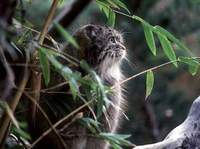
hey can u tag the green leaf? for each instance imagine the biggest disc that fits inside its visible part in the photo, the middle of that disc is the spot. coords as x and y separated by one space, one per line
67 74
188 60
116 138
23 124
113 4
100 89
149 83
9 112
21 133
193 69
66 35
122 5
106 11
192 63
112 135
172 38
85 66
23 37
138 19
91 124
55 53
111 18
45 65
61 1
149 37
115 146
65 71
167 47
109 4
104 7
100 6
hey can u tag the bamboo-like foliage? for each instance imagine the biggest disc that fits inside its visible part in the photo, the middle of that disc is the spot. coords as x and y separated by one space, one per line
46 58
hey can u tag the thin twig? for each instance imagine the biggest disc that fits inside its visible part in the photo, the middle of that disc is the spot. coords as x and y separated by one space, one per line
47 118
48 20
36 76
46 90
77 116
55 86
23 64
75 60
143 72
60 122
152 68
47 36
10 78
91 110
54 92
13 104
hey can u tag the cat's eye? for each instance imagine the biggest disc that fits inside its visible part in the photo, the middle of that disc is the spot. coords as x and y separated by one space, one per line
112 39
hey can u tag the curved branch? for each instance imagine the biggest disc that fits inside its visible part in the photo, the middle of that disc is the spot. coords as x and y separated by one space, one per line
186 135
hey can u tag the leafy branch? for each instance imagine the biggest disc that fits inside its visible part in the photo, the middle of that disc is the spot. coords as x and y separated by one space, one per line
166 39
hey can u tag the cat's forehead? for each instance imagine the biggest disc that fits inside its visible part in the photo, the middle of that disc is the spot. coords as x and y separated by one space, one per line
111 32
99 31
108 29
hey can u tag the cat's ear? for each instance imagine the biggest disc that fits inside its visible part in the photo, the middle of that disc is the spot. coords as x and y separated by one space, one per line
91 31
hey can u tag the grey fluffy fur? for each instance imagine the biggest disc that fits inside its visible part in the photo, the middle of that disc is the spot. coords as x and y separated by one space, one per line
103 50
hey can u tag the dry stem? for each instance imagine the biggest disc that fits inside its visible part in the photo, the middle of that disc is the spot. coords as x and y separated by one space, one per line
60 122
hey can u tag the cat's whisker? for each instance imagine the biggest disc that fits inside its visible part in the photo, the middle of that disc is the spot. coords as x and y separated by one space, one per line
131 64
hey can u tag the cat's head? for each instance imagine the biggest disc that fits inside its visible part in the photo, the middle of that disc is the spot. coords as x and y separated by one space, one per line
103 45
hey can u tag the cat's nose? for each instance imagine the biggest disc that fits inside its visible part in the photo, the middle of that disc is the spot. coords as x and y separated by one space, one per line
121 46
